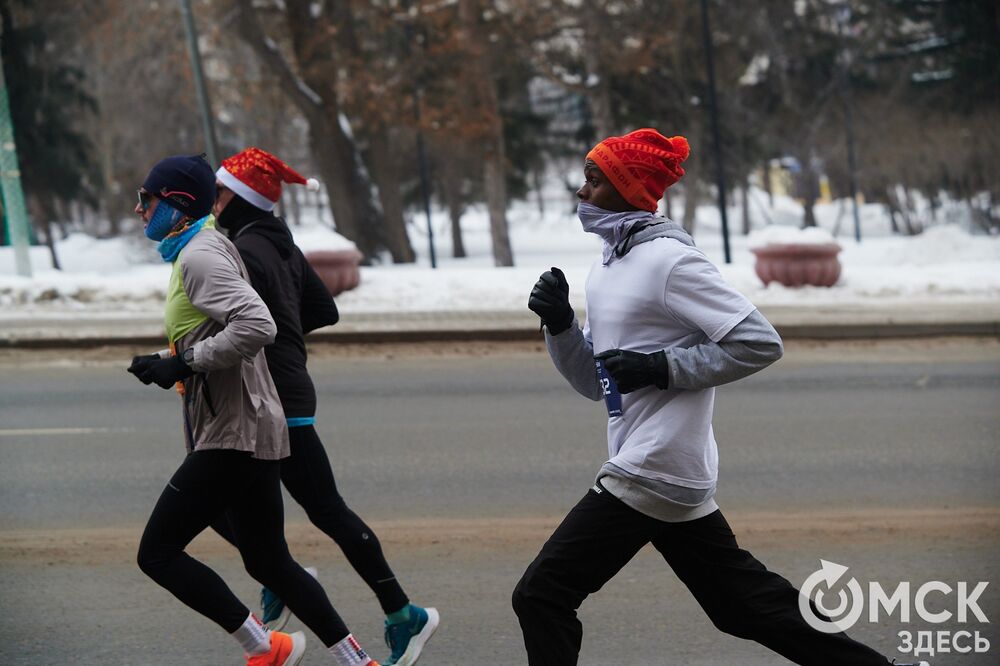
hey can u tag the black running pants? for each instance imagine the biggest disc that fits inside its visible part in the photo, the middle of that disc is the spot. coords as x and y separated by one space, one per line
308 476
210 484
601 534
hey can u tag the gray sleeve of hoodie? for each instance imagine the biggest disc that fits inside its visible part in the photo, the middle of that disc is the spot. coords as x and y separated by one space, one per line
214 284
751 345
572 353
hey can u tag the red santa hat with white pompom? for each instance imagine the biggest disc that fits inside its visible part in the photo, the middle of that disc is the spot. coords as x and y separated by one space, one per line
256 175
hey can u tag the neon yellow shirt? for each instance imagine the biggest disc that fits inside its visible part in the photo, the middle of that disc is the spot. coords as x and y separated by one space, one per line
180 316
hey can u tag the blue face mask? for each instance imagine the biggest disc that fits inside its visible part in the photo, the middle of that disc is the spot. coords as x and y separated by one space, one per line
164 219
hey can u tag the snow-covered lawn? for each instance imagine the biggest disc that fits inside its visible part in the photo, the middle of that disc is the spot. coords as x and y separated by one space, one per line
945 263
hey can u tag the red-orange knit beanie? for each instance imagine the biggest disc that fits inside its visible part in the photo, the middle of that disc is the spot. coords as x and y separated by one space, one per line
642 164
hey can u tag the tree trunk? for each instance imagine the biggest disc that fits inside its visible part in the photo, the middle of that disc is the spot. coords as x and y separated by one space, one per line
897 208
745 204
935 202
356 213
840 218
451 187
914 223
692 193
536 175
340 186
109 197
692 181
488 105
768 187
495 183
43 215
62 215
809 192
457 243
50 241
991 220
890 204
600 90
691 196
385 173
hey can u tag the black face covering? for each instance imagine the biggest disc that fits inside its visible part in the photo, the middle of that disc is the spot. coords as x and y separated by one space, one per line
238 213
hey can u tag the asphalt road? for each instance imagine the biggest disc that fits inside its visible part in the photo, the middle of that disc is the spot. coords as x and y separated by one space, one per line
882 457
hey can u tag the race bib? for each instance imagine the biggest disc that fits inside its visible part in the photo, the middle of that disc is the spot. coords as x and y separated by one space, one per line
612 398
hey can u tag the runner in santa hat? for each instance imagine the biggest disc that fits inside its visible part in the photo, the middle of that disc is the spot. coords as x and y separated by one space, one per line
256 176
663 329
249 185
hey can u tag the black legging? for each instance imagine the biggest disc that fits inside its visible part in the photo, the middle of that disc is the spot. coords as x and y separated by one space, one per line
309 478
210 484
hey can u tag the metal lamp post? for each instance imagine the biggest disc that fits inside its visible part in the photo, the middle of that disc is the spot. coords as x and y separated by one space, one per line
10 182
208 126
720 177
844 17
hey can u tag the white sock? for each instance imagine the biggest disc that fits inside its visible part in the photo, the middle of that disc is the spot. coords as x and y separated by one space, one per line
253 637
348 653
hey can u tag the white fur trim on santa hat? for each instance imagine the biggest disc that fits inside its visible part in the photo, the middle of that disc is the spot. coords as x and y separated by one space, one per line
312 184
244 190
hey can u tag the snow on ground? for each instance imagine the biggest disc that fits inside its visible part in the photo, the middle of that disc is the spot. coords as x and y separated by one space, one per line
945 263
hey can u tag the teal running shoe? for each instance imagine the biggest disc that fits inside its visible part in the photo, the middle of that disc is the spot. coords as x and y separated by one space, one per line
274 613
406 640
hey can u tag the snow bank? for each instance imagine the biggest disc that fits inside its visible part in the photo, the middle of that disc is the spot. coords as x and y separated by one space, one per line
777 234
943 263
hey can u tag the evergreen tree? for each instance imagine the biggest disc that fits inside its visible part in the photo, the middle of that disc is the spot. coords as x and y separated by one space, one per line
46 99
952 49
938 60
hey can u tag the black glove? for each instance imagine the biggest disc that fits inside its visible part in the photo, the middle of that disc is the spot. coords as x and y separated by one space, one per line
549 300
634 370
164 372
140 364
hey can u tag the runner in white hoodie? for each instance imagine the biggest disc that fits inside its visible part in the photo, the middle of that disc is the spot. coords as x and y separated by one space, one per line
663 329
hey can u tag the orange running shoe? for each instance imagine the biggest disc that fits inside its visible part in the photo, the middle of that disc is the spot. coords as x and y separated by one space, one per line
286 650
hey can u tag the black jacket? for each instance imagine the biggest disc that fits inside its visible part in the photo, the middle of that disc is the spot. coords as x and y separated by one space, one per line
295 295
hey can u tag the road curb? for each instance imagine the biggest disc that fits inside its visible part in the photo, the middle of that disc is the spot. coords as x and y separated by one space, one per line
897 330
851 321
814 331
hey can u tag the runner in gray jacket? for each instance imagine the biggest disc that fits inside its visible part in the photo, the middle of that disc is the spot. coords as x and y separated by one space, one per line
234 427
662 330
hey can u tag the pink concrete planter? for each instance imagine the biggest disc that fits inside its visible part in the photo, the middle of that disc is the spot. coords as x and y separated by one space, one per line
337 268
798 264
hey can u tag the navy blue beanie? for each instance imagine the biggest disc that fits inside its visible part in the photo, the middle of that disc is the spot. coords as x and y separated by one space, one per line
185 182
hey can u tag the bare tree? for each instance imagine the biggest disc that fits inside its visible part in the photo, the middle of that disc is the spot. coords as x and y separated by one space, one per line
473 38
312 86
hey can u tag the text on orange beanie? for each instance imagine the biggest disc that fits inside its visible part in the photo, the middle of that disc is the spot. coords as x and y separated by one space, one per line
257 175
642 164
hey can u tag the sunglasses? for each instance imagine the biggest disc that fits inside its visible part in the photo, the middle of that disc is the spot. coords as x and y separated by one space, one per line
145 200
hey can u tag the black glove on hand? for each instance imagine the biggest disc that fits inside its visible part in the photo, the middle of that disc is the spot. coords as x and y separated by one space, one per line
549 300
634 370
164 372
140 364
